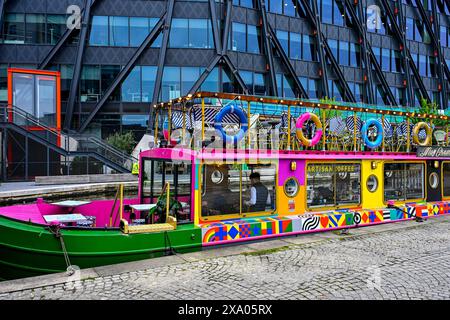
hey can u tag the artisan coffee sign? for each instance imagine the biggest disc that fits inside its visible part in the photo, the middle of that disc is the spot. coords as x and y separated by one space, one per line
433 152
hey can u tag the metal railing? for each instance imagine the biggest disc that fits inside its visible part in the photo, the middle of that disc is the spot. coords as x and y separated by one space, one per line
71 142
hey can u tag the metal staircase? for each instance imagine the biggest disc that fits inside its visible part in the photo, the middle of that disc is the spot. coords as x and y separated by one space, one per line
71 145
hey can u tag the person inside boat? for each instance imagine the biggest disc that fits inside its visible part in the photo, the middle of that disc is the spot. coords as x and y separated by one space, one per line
259 194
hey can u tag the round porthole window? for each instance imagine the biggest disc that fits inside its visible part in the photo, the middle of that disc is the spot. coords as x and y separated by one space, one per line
372 183
291 187
217 177
433 180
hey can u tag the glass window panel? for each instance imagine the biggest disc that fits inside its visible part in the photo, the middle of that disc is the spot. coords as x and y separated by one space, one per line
320 186
327 11
90 84
259 84
355 55
264 188
171 86
238 37
309 48
312 88
247 77
385 59
56 26
422 65
35 28
446 179
348 184
334 48
108 74
247 3
99 31
148 82
289 8
287 87
131 86
212 81
403 181
276 6
443 35
158 40
221 190
295 48
396 61
279 79
118 32
198 33
3 82
139 30
188 77
331 185
66 79
283 37
253 39
136 123
343 53
23 96
227 82
179 33
409 29
14 28
338 13
46 100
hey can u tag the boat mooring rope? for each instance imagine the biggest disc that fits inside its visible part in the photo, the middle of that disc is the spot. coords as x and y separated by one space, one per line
56 231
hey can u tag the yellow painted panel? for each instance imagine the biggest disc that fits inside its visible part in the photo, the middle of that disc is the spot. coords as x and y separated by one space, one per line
374 199
290 206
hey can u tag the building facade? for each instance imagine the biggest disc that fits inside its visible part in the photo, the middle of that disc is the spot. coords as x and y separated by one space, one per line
127 55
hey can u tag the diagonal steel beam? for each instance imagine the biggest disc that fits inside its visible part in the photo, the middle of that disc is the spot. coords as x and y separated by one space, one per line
324 49
409 84
126 70
398 34
314 20
55 49
443 68
227 28
284 58
236 74
432 28
273 90
368 54
2 11
205 74
215 27
73 93
163 50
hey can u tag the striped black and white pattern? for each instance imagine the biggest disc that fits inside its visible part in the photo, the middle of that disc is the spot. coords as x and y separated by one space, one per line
210 114
177 120
311 223
350 123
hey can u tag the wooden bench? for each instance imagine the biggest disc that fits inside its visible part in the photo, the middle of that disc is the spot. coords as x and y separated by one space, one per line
170 225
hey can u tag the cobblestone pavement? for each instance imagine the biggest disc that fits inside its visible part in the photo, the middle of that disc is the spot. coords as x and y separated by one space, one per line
410 263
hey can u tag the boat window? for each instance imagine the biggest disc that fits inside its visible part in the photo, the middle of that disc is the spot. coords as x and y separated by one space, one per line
446 179
403 181
156 173
333 185
372 183
227 189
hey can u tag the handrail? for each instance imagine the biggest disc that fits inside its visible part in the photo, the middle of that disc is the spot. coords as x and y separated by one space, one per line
100 144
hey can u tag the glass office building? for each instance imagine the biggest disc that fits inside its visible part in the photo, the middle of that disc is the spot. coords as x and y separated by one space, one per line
123 59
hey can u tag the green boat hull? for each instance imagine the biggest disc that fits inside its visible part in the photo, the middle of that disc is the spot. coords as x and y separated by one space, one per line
29 249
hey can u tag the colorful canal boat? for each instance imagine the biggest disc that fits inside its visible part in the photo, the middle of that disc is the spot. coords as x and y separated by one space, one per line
260 168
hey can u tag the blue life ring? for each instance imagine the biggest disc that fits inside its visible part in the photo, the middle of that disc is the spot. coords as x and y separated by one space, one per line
242 118
365 128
